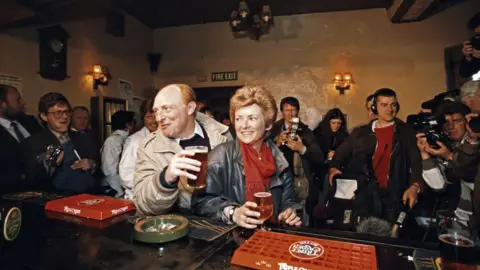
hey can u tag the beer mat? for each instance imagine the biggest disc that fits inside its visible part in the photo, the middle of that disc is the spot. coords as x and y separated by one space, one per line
206 229
426 260
272 250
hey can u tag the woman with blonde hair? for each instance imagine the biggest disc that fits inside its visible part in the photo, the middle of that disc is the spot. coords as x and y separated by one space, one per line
250 164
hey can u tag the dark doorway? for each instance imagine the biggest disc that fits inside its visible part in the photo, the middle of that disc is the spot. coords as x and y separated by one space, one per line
216 98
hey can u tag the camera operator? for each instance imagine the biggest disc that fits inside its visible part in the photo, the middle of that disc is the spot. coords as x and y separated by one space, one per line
386 145
451 166
471 49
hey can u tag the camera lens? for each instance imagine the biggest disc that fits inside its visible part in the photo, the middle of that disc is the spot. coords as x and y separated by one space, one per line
475 124
475 41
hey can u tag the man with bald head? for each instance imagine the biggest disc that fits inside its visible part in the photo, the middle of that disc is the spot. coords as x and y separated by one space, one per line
160 180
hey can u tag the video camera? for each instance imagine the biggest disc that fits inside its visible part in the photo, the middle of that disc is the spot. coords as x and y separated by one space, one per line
436 103
475 42
431 125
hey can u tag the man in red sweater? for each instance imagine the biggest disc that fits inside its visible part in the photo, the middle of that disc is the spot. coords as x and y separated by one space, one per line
388 147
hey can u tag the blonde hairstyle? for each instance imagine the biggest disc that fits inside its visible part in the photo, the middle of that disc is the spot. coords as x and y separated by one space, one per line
187 92
249 95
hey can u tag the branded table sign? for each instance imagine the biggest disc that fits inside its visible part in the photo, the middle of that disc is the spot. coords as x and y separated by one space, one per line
12 223
91 206
272 250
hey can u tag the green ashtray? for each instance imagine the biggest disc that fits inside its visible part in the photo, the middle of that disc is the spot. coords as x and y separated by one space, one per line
161 229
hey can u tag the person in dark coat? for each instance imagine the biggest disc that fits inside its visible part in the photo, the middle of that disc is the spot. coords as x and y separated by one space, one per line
15 127
470 64
72 171
304 146
387 148
330 133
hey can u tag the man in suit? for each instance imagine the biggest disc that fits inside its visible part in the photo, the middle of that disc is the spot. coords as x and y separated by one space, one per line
72 170
80 123
15 126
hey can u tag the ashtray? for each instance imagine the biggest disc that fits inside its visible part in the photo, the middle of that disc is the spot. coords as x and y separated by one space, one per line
161 229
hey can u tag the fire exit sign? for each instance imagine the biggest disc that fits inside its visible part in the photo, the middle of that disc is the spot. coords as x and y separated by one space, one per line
224 76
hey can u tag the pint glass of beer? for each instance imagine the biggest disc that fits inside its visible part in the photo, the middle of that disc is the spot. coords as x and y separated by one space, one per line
201 154
457 243
264 205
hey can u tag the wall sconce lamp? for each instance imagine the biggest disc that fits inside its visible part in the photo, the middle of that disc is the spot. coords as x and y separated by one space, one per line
343 82
100 75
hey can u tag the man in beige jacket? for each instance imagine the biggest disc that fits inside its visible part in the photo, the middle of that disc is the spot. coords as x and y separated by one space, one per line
160 179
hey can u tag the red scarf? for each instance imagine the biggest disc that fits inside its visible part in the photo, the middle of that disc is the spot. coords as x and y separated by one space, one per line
258 169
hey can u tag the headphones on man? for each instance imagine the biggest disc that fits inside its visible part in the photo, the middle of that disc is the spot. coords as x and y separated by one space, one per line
381 92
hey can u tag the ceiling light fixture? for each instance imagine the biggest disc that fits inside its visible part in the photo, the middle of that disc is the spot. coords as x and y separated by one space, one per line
251 19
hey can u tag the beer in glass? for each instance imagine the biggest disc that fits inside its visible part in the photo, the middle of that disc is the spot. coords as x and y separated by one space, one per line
457 245
264 205
201 154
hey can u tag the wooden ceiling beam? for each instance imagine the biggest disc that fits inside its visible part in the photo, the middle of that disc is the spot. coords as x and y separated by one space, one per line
67 10
403 11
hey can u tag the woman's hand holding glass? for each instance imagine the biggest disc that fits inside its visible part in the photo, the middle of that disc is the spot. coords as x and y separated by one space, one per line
245 217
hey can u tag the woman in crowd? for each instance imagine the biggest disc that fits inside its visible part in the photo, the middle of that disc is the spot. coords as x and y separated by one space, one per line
250 164
330 134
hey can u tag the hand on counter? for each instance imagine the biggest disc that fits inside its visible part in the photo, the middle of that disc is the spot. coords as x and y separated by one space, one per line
289 217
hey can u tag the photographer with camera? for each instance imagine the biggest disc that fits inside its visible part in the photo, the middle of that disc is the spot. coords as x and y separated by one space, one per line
450 164
387 147
300 148
471 49
57 158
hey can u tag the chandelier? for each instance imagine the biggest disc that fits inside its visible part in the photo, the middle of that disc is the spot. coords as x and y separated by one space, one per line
251 19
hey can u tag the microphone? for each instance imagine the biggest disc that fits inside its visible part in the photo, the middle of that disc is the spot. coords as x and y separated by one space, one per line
375 226
399 223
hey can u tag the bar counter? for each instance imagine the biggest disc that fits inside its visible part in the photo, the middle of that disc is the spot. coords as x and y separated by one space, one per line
47 243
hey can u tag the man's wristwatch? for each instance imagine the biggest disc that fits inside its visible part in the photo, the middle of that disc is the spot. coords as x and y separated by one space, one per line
231 212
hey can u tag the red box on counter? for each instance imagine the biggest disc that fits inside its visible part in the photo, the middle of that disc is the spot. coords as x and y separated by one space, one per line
91 206
99 224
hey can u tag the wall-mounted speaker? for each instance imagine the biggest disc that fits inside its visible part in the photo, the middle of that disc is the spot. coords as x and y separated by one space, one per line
154 60
115 24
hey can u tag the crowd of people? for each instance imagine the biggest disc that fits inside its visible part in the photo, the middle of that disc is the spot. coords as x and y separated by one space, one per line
393 164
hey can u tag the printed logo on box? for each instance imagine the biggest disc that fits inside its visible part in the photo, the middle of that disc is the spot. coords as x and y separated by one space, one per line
91 202
285 266
119 210
306 250
74 211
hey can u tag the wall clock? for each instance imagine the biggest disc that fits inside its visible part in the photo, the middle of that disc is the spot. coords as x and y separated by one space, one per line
53 53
